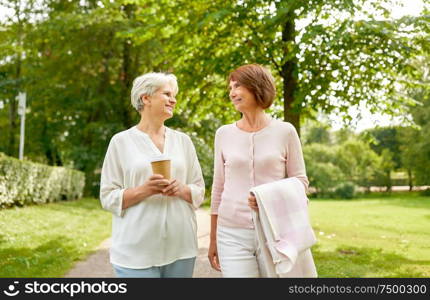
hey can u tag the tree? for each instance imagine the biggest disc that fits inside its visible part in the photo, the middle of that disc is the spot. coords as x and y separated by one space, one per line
80 59
321 168
316 132
386 138
415 142
358 162
324 58
13 73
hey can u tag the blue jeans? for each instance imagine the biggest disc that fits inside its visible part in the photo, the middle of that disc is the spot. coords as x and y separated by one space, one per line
182 268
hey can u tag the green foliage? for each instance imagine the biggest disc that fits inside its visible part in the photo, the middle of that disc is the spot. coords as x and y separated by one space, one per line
77 59
416 142
330 63
425 192
345 190
322 172
386 138
332 167
23 183
383 171
317 134
358 162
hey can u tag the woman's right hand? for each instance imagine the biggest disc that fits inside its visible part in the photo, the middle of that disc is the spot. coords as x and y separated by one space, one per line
154 185
213 256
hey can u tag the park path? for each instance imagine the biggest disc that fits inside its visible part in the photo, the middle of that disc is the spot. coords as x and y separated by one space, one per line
97 264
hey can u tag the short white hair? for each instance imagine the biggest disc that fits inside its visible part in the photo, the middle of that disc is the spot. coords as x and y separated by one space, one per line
148 84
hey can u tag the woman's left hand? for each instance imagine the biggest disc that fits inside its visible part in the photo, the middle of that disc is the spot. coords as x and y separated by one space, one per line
177 189
173 189
252 202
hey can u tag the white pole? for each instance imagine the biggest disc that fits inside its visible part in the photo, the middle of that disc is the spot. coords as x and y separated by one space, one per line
21 111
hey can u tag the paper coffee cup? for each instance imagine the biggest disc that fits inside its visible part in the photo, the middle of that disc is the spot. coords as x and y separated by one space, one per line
161 165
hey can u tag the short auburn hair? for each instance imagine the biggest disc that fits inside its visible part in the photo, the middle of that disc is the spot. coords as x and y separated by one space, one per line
258 80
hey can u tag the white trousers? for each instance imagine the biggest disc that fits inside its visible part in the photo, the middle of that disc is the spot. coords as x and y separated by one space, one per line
237 252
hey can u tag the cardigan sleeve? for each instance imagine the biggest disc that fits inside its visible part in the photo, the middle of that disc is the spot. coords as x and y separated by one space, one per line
112 178
295 163
194 175
218 176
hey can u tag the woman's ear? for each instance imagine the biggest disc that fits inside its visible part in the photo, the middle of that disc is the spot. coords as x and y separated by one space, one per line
145 100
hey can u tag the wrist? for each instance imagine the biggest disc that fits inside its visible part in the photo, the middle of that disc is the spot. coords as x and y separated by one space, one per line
142 192
185 193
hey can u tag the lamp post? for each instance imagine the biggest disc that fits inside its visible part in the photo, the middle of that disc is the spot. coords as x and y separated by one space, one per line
21 111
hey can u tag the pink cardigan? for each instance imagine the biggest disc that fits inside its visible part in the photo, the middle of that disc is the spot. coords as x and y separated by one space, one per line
244 160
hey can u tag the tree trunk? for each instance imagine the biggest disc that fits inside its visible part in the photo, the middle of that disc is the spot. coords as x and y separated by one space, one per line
126 76
411 185
13 106
13 112
389 182
289 80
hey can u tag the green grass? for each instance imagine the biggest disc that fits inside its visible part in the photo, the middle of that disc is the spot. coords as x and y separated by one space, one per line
373 236
46 240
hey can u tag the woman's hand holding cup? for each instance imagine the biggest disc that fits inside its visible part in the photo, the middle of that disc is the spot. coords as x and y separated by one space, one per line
173 189
155 184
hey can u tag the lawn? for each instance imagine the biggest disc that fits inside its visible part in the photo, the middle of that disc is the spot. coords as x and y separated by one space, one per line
372 236
46 240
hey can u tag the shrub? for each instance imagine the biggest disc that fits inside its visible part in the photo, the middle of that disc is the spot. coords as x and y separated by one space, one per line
345 190
322 173
24 182
425 192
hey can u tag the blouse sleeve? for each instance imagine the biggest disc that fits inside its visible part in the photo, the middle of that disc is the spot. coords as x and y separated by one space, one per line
295 163
194 176
111 183
218 177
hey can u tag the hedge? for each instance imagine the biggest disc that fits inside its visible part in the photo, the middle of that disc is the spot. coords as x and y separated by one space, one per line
24 182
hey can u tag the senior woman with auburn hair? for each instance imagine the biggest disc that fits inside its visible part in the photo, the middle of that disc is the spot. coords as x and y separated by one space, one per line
255 150
154 223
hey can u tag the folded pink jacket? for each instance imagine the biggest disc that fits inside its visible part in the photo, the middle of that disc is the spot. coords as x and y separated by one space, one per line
283 229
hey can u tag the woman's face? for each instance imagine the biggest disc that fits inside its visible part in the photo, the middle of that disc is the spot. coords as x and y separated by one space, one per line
242 98
163 101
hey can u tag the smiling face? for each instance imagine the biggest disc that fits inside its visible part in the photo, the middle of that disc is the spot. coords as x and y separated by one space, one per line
243 99
162 102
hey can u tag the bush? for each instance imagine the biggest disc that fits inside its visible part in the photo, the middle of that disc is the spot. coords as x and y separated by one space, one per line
322 173
345 190
425 192
24 182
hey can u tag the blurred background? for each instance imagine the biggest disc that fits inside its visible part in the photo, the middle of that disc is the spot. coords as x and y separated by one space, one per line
337 64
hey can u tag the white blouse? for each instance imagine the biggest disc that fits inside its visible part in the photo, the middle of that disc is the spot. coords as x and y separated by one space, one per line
160 229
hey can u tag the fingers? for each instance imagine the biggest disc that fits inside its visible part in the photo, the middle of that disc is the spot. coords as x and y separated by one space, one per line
252 202
213 260
217 265
172 188
170 192
160 182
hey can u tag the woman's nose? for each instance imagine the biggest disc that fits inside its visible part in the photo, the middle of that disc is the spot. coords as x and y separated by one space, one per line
232 93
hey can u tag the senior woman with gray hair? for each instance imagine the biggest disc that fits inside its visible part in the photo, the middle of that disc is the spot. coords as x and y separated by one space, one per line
154 223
